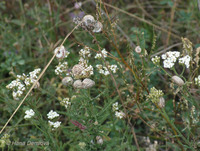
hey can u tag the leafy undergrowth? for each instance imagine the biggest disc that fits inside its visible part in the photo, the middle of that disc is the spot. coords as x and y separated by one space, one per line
126 77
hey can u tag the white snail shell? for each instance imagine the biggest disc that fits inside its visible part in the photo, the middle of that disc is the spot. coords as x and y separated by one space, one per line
138 49
88 83
77 70
61 53
88 19
178 80
67 81
98 27
78 84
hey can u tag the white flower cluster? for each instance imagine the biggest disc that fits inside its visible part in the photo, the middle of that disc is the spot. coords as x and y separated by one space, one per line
32 78
29 113
99 55
103 70
51 115
62 68
18 86
84 53
115 107
170 58
185 60
197 80
65 102
156 60
54 124
118 114
61 52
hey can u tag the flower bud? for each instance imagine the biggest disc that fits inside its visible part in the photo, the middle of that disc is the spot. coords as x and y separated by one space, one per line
178 80
67 81
97 27
88 83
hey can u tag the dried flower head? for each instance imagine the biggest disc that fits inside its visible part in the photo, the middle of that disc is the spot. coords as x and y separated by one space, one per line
178 80
67 81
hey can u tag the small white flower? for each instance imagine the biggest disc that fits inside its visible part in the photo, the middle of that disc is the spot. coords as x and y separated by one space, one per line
54 124
99 55
170 58
119 114
29 113
52 114
115 106
185 60
156 60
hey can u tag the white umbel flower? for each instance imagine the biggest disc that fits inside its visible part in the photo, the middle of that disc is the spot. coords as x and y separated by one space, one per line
170 58
54 124
29 113
119 114
185 60
99 55
51 115
115 106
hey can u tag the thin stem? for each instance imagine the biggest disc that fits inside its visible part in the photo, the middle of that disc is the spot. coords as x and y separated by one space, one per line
45 68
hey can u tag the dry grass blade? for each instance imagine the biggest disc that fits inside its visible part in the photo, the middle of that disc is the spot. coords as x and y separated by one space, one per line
41 74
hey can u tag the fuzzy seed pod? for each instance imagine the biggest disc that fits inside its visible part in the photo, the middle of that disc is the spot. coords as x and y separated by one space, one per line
178 80
61 53
98 27
78 84
161 102
88 20
138 49
88 83
67 81
77 70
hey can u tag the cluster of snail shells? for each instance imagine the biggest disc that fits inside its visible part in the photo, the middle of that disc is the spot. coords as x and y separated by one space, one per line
91 24
77 74
85 84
